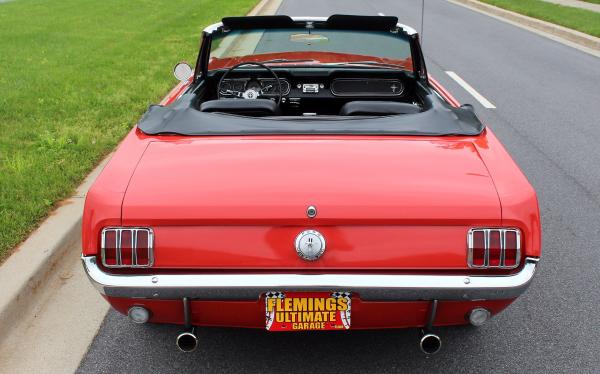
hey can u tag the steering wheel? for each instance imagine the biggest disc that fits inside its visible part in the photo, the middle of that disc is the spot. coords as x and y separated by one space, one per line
249 93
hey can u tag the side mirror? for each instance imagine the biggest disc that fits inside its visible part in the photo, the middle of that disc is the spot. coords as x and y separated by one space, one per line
183 71
468 107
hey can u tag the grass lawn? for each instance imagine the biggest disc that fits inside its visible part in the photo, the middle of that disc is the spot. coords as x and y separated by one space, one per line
582 20
592 1
75 75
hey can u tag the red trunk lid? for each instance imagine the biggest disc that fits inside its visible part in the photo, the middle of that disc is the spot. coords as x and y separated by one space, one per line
240 202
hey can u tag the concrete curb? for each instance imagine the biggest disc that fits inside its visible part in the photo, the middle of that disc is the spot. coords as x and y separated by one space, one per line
24 274
265 8
246 44
581 4
584 42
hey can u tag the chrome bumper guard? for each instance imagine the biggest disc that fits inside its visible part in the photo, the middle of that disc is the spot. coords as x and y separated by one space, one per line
384 287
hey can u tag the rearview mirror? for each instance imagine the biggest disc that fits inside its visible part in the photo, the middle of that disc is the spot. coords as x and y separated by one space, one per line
308 39
183 71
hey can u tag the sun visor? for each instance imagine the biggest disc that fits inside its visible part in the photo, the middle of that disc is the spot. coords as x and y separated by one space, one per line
352 22
336 21
258 22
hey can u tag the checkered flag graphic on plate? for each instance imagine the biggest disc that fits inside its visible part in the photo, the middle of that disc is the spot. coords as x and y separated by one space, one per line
271 315
340 294
275 295
345 316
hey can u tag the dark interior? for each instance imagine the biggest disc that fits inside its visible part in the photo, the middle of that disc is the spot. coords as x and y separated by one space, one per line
309 91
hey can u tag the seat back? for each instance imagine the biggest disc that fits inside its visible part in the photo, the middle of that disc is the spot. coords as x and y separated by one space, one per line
377 108
256 107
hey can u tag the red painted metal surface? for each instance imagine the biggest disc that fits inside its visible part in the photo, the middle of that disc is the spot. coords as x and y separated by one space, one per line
365 315
348 247
352 180
263 180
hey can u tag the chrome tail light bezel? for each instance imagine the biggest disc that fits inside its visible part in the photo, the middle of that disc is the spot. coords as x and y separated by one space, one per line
486 235
118 247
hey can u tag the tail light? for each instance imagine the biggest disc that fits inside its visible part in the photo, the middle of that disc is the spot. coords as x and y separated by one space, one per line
124 247
494 248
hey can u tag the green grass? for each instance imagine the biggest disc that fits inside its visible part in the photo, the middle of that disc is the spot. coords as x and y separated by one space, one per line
582 20
75 75
592 1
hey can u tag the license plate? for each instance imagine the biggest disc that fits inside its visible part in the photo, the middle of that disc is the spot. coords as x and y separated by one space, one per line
301 311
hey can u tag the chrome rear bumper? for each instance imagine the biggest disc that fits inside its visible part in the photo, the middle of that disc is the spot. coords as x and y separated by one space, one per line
388 287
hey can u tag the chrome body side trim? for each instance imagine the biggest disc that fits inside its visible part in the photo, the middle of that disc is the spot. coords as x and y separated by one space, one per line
249 286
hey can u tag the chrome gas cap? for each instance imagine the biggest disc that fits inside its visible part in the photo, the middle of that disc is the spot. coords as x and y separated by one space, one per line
310 245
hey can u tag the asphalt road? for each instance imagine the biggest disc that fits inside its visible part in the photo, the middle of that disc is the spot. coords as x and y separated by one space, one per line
548 115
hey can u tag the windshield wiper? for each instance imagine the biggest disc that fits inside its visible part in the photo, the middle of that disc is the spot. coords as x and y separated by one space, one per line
279 60
374 63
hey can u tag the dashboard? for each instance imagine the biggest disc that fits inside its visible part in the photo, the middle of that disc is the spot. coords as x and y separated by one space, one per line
341 87
314 91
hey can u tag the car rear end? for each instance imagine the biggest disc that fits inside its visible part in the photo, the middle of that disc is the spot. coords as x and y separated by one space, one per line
414 231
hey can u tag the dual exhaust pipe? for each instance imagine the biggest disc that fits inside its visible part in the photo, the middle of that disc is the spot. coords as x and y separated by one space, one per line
187 341
429 343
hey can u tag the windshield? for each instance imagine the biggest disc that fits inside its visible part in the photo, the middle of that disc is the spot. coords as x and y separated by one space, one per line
310 47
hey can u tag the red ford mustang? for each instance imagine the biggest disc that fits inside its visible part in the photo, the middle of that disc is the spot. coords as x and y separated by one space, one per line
308 174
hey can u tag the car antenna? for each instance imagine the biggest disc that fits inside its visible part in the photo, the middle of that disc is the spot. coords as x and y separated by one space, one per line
422 18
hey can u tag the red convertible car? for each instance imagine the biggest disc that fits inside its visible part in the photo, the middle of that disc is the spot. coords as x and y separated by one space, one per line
308 174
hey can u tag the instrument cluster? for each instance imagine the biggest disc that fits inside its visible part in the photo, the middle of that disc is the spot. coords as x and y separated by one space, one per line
266 86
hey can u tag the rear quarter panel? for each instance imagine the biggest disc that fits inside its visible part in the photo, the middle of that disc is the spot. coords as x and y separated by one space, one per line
104 199
518 199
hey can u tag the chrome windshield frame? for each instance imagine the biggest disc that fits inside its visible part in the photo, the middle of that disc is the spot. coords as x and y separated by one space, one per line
201 68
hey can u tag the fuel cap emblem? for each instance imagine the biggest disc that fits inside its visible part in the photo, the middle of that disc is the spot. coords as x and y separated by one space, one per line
310 245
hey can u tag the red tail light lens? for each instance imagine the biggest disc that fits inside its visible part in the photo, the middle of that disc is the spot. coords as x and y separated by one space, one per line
109 246
127 252
478 251
511 249
144 249
127 247
494 248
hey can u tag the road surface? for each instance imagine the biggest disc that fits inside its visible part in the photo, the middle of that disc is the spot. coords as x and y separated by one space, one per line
547 99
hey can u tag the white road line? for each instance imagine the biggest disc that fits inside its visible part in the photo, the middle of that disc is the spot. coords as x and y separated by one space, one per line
485 102
380 14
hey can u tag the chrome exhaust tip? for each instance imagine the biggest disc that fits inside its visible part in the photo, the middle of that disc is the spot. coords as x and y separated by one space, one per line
430 344
187 341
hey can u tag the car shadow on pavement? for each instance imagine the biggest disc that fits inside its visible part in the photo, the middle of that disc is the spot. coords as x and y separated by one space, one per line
122 346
